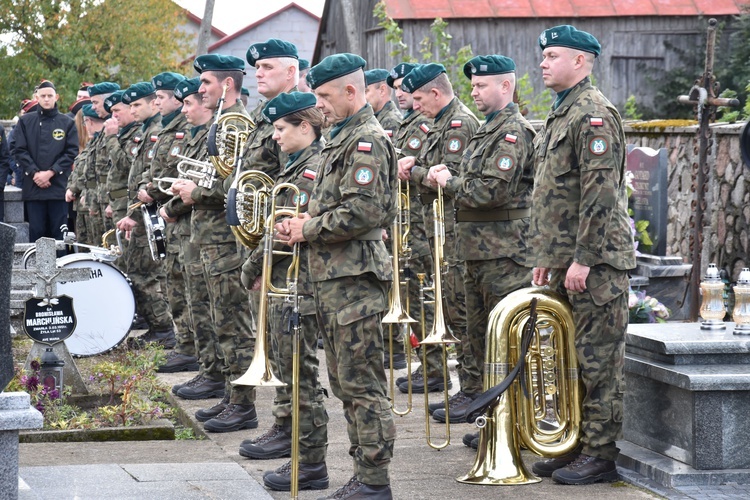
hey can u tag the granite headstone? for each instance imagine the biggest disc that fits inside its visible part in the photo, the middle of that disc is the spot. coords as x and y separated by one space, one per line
649 198
7 241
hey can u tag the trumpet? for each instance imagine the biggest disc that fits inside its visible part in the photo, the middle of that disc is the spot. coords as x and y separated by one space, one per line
440 334
259 372
398 312
203 174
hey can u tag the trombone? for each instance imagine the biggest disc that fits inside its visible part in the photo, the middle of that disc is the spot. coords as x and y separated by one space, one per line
398 314
440 334
259 373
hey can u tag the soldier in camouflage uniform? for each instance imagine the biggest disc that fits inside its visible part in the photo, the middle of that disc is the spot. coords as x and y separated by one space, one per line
221 260
453 126
89 194
409 140
120 133
76 183
97 196
378 95
298 131
148 276
353 200
492 196
171 142
581 237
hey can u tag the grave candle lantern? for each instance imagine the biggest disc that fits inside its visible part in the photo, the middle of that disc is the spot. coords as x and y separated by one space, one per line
741 312
712 306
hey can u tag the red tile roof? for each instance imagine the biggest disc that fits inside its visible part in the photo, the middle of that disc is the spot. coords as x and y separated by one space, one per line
456 9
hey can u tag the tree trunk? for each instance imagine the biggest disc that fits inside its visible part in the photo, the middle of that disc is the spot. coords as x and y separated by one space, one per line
205 34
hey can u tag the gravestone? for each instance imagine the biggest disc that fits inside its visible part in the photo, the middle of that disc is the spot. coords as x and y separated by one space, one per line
45 277
649 169
7 240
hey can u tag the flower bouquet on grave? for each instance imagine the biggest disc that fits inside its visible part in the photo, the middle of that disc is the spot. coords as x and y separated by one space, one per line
645 309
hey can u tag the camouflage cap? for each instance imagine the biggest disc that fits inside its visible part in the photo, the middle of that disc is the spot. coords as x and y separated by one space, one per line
375 76
332 67
489 65
273 47
167 80
218 62
114 98
88 111
567 36
400 71
137 91
103 88
76 106
285 104
187 87
304 64
420 76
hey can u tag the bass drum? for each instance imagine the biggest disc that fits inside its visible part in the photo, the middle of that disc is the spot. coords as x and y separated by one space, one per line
104 306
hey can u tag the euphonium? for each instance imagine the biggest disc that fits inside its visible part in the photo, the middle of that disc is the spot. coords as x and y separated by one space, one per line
249 204
548 419
398 311
227 137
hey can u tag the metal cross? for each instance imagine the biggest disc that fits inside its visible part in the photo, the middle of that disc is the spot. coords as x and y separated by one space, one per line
46 275
703 97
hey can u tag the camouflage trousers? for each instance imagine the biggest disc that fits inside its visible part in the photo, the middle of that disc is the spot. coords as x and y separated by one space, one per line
149 282
179 291
487 282
434 353
313 418
95 226
230 314
601 318
107 223
199 306
82 226
349 313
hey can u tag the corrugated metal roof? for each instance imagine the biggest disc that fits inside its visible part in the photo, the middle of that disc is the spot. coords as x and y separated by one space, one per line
456 9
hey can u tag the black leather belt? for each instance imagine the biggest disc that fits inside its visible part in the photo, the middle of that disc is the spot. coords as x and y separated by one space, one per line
493 216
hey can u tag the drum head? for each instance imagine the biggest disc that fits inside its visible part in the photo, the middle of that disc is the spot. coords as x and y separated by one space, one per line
104 306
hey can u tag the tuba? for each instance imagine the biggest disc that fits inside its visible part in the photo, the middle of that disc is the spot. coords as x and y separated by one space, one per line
540 411
227 137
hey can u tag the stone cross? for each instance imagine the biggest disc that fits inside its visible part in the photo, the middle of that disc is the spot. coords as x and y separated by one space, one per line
47 274
45 277
703 96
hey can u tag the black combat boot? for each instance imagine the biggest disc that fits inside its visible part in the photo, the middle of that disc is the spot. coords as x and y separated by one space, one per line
545 468
457 406
203 389
179 363
206 414
234 418
586 469
311 477
471 440
354 490
276 442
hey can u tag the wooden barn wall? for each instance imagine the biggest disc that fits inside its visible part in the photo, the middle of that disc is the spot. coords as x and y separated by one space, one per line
630 44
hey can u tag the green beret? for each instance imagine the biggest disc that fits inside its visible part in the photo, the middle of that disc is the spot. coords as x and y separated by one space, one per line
399 71
489 65
103 88
114 98
375 76
167 80
420 76
304 64
88 111
137 91
218 62
187 87
273 47
245 91
285 104
332 67
567 36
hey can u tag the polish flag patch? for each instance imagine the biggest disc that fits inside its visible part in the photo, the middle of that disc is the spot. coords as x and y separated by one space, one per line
389 133
364 146
424 128
456 123
596 122
179 135
309 174
511 138
154 138
136 139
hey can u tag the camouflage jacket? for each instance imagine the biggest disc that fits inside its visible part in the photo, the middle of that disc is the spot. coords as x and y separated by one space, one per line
390 119
353 199
495 179
302 174
171 142
101 167
409 140
149 135
122 149
75 180
580 206
89 174
445 143
208 224
194 146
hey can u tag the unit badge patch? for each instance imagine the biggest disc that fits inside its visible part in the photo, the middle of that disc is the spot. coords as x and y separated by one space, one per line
363 176
598 146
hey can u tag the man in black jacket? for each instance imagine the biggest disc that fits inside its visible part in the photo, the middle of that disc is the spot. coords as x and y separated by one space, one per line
44 146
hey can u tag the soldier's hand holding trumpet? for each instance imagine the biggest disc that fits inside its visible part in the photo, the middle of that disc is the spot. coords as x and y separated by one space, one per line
184 188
